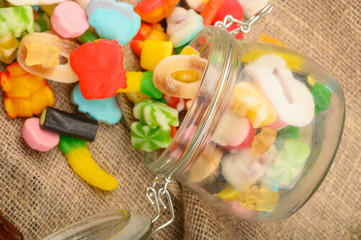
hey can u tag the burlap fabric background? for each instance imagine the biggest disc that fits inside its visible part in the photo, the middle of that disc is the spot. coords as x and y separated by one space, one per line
40 194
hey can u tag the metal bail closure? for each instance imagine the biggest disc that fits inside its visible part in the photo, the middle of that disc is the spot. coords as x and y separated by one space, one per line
244 26
159 198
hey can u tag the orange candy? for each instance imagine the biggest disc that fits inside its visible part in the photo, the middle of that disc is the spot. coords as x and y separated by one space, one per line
263 141
25 94
153 11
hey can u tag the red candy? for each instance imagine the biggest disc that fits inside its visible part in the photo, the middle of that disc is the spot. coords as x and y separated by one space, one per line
210 10
99 66
155 10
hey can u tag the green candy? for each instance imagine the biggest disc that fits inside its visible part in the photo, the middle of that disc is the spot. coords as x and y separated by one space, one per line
16 20
148 139
289 163
178 50
42 23
147 87
321 96
67 144
286 133
156 114
88 36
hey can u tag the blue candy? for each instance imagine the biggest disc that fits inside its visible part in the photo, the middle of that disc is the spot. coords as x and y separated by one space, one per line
113 20
106 110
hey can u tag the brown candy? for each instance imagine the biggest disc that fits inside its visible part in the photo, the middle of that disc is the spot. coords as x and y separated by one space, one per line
8 231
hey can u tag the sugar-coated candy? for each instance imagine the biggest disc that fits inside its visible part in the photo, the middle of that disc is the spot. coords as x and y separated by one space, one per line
252 7
196 5
153 11
258 199
37 138
321 96
105 110
34 2
69 20
232 130
60 73
146 31
141 82
153 52
248 100
163 75
183 25
290 98
99 66
8 231
242 168
289 163
8 46
25 94
42 23
148 139
16 20
43 54
82 163
210 10
68 124
206 164
88 36
113 20
156 114
263 141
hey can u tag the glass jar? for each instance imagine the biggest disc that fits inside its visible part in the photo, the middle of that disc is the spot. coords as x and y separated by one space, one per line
259 137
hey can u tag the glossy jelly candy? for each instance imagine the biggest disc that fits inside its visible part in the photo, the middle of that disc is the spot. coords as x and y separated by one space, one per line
248 100
106 110
34 2
147 32
153 52
8 46
16 20
101 76
290 98
37 138
60 73
153 11
289 163
69 20
163 77
8 231
113 20
210 10
321 96
41 54
257 199
263 141
68 124
156 114
141 82
25 94
228 193
82 163
148 139
183 25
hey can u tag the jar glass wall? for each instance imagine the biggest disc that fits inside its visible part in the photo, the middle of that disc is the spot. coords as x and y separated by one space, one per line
261 133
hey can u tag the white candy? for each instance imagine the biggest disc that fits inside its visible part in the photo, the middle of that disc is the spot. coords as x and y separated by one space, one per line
34 2
290 98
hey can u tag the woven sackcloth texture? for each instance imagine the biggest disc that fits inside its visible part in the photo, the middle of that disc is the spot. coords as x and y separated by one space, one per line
40 194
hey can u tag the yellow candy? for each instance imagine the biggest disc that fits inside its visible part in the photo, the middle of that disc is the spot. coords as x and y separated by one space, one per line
8 46
229 193
311 81
248 100
135 97
186 76
134 80
257 199
153 52
269 39
187 50
48 9
43 54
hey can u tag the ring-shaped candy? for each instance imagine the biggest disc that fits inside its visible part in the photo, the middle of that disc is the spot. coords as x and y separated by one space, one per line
291 99
163 80
61 73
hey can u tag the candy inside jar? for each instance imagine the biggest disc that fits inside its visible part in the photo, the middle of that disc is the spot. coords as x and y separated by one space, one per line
262 129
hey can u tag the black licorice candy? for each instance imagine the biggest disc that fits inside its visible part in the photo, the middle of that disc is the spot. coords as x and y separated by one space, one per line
68 124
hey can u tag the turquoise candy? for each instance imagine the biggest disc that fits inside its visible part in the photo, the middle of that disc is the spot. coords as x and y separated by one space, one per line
16 20
289 163
147 86
148 139
321 96
113 20
106 110
156 114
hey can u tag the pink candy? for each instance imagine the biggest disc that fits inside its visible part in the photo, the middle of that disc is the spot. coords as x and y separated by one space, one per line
69 20
36 138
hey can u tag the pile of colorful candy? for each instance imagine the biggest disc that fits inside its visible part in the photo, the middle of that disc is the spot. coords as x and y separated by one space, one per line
83 41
